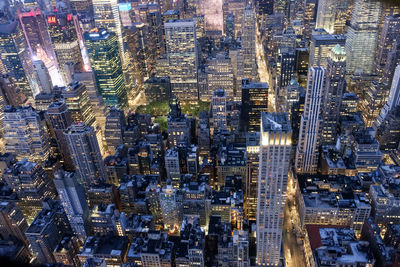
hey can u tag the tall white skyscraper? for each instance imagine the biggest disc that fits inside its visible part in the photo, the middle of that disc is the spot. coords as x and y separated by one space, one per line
249 44
310 126
362 36
393 99
275 148
180 37
73 200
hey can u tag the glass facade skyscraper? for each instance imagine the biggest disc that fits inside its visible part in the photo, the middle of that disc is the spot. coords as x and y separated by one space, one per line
107 66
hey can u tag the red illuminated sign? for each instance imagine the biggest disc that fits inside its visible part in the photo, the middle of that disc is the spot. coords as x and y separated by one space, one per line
51 20
69 17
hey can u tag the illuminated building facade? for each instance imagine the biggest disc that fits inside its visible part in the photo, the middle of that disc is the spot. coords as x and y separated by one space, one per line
25 133
180 36
249 44
275 150
362 36
65 41
14 58
85 153
107 66
254 101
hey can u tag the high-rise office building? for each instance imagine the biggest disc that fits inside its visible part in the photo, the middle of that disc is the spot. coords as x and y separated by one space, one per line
249 44
114 129
362 36
38 41
203 134
172 166
42 78
218 111
171 207
178 125
393 100
287 66
47 230
220 75
180 37
236 7
254 101
387 42
252 161
275 149
335 83
72 197
310 126
332 15
78 102
106 16
372 102
14 57
321 46
59 119
12 222
64 36
32 185
85 153
25 133
107 66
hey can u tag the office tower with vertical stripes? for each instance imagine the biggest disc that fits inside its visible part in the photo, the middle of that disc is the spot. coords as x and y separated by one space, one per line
310 126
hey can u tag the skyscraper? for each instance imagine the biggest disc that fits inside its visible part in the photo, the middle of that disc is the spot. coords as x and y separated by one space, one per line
85 153
65 41
218 111
254 101
180 36
275 148
12 222
310 126
331 15
31 184
106 16
47 230
25 133
252 163
362 36
59 119
321 46
220 75
335 83
14 57
249 44
78 102
107 66
115 125
178 125
73 200
393 99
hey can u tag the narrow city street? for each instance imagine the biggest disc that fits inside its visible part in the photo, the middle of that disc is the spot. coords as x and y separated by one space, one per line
294 253
263 72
